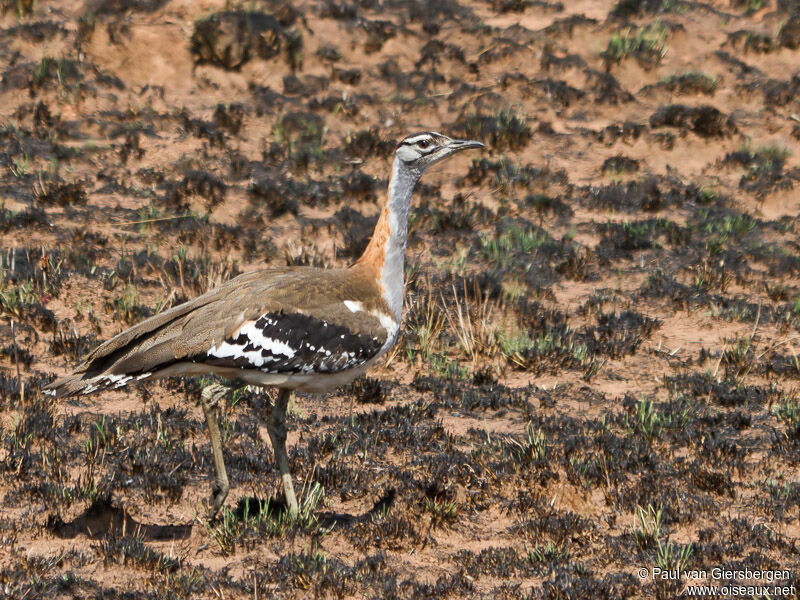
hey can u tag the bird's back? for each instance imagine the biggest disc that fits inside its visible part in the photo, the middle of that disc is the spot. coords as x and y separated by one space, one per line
285 320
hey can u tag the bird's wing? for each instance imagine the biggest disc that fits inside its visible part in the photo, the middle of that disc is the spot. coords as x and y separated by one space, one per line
275 321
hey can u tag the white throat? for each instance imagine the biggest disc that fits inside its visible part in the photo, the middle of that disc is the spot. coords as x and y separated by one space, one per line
404 178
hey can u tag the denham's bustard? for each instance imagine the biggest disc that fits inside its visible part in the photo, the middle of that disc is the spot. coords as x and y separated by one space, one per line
296 328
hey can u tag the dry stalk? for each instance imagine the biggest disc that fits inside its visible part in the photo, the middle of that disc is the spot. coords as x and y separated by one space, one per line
472 323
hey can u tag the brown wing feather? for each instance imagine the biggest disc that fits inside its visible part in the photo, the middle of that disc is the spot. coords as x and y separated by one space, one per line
190 329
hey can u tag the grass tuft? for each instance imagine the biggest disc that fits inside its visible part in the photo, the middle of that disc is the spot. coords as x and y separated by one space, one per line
255 519
646 44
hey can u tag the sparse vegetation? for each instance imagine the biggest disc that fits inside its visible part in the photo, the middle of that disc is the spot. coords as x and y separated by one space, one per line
230 39
256 519
298 138
597 362
506 129
788 411
705 121
764 169
692 82
673 556
646 527
502 249
646 44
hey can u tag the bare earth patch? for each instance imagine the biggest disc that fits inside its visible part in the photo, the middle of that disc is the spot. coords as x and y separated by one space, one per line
599 364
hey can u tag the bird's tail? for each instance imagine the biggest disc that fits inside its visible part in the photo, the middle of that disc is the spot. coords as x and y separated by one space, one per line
82 384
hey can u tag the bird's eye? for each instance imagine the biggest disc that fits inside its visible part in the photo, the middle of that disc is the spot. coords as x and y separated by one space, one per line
423 144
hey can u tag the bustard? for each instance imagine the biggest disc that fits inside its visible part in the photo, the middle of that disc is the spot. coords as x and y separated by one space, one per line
294 328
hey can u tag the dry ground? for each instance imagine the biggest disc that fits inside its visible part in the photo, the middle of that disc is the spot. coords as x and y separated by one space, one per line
599 366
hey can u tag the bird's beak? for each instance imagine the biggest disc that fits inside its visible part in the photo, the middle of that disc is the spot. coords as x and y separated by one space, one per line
457 145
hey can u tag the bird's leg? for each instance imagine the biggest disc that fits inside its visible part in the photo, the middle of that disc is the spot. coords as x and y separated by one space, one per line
209 398
276 426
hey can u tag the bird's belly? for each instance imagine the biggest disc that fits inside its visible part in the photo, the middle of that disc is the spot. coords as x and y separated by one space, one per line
302 382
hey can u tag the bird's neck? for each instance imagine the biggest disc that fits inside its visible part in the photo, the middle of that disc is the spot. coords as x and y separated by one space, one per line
386 251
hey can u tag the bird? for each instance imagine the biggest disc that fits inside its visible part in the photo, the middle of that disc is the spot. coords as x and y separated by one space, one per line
301 329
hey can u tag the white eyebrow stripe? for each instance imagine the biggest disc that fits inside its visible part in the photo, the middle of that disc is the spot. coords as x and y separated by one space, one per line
418 138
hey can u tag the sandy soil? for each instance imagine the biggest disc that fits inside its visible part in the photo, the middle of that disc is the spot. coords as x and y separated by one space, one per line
622 394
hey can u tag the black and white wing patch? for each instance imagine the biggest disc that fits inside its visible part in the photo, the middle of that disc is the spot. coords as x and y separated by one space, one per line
293 343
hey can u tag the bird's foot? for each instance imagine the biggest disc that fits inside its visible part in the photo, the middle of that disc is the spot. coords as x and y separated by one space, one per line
213 393
217 499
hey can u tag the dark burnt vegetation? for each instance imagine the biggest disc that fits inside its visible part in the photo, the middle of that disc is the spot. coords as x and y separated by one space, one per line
764 169
620 164
230 39
605 88
627 132
693 82
775 92
575 256
539 187
278 195
461 215
60 193
729 393
368 142
506 129
649 194
531 252
71 345
644 234
196 184
625 9
552 345
618 335
751 41
554 90
181 269
789 34
65 75
297 141
368 390
705 121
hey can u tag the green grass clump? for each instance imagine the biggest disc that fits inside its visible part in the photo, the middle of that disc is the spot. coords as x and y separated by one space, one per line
646 44
788 411
646 527
673 556
501 249
551 348
255 520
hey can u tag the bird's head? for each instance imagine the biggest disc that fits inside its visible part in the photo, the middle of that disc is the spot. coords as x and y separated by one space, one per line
421 150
